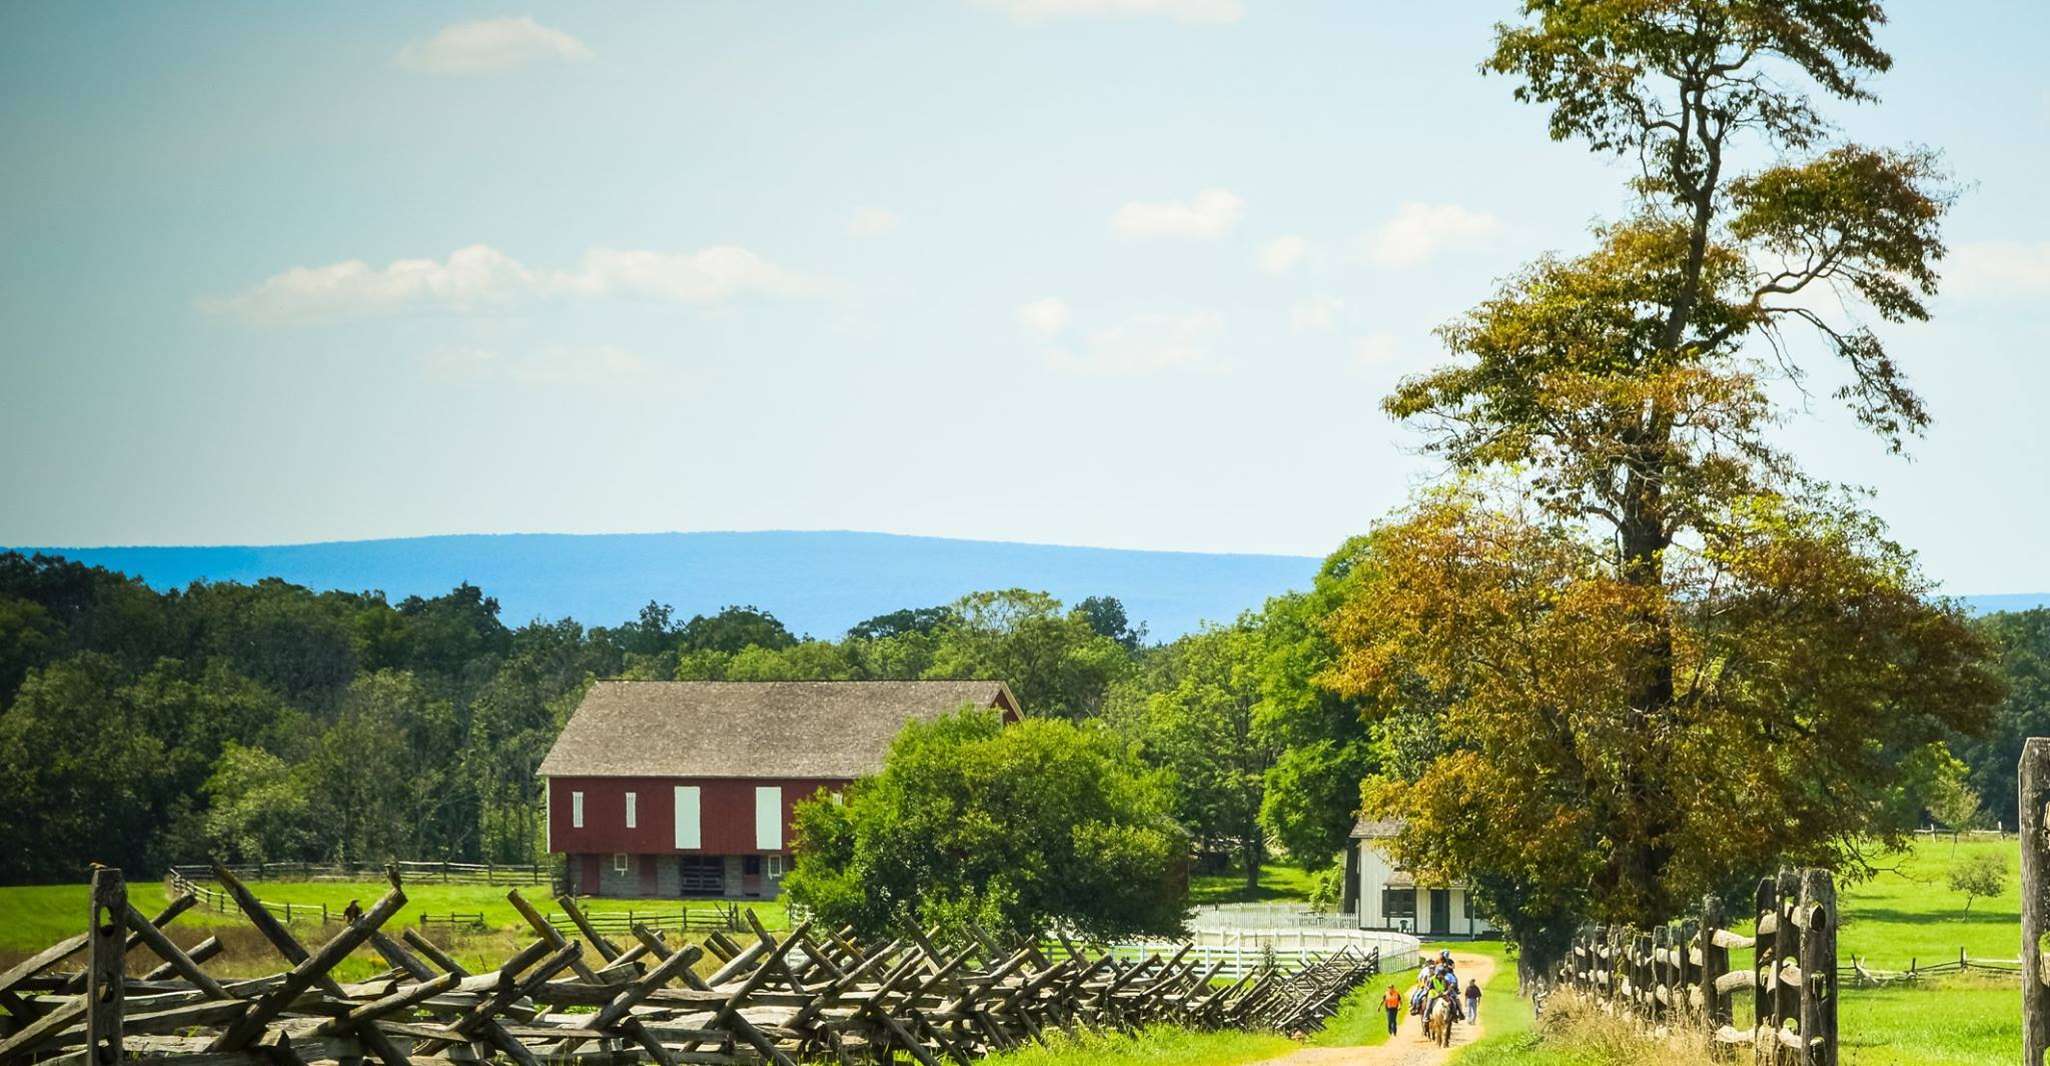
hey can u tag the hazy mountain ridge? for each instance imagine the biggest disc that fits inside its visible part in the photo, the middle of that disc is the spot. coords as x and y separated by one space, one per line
816 582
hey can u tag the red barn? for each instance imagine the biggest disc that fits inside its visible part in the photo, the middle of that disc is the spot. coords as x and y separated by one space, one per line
684 788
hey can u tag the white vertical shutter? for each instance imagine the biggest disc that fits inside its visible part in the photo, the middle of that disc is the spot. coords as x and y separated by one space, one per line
632 816
576 810
769 818
687 816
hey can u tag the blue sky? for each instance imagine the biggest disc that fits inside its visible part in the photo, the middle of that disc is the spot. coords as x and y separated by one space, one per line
1129 273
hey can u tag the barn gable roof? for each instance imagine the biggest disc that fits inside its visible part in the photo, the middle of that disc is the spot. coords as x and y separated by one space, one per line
788 729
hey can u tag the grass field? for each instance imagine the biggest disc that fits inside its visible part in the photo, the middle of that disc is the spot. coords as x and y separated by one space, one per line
1278 882
1909 912
1158 1046
35 916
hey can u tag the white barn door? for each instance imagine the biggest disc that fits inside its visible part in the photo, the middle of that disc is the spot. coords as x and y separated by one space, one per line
687 817
768 818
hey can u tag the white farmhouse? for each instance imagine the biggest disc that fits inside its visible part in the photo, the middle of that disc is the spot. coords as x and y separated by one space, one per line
1386 897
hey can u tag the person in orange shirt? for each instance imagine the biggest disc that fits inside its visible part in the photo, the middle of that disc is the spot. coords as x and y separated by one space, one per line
1392 1003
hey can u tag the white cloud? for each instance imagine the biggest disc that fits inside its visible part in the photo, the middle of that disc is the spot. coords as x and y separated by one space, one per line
1210 213
461 364
871 222
1146 344
1045 317
490 45
1420 231
1314 313
1190 11
1282 253
482 279
1374 352
1998 269
708 276
581 366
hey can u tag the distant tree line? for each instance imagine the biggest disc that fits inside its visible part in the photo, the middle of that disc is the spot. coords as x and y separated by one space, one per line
269 722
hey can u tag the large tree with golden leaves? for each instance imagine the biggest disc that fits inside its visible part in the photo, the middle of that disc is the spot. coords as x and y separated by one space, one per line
1648 653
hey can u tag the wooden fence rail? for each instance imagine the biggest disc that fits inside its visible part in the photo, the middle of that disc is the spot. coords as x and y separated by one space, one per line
1680 975
578 998
214 899
1858 973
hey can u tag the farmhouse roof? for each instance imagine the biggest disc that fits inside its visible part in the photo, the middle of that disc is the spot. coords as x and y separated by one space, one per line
787 729
1367 829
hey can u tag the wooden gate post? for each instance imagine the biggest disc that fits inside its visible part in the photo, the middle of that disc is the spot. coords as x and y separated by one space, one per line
2034 773
104 990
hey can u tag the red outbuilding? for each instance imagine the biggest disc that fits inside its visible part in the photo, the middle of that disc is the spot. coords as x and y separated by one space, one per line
685 788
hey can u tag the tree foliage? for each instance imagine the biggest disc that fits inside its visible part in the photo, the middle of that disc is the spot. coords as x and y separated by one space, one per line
266 721
1195 718
1017 829
1978 876
1651 611
2022 640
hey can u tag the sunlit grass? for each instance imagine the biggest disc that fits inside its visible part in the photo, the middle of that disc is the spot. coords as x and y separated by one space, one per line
1157 1046
1279 883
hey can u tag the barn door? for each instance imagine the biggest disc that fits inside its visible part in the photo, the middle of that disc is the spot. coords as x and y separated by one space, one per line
1441 911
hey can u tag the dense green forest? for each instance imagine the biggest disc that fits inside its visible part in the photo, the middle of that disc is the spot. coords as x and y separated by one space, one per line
269 722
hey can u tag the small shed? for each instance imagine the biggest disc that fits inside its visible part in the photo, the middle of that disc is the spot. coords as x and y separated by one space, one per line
1385 896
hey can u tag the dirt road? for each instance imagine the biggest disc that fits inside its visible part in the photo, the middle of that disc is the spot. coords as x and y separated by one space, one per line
1408 1046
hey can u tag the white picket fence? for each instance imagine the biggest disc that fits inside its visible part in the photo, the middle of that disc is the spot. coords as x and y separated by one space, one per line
1269 916
1244 950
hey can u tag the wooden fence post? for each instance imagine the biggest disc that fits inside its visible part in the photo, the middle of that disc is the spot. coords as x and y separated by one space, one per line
104 990
1786 948
2034 773
1818 968
1764 1012
1715 962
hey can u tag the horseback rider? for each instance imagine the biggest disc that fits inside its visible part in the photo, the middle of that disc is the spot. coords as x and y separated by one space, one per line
1446 984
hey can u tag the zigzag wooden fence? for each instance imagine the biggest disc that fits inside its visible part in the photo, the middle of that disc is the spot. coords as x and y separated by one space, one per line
1680 975
582 1000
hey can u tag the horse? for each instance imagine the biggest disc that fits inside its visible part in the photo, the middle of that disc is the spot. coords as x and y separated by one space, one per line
1438 1020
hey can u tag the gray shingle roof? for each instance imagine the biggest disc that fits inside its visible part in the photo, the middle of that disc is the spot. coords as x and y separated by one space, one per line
1368 829
808 729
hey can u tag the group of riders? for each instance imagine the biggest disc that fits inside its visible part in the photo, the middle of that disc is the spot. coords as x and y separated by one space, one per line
1437 980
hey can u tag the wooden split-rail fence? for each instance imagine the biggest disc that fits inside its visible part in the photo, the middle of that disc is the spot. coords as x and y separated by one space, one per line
583 1000
1681 975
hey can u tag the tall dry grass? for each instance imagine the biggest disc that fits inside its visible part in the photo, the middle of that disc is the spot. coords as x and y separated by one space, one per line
1578 1026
